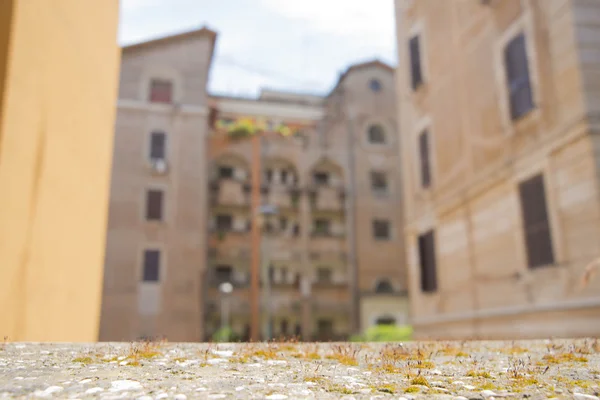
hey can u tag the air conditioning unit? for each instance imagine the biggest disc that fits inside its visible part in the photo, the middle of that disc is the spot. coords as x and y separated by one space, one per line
159 165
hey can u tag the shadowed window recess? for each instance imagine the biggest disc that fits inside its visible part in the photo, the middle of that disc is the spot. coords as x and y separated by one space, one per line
427 262
154 205
384 286
424 158
375 85
224 222
376 134
381 229
324 275
151 266
416 70
517 76
161 91
379 182
223 274
158 141
538 237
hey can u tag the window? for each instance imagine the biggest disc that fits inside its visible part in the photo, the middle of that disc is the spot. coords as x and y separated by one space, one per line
416 71
322 226
321 178
538 238
379 182
384 286
151 271
154 205
324 275
375 85
158 146
424 159
269 175
225 172
381 229
268 227
296 230
224 222
271 273
161 91
325 328
284 327
376 134
284 176
223 273
517 75
283 223
427 262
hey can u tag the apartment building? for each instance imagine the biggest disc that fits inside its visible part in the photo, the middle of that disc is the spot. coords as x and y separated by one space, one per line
499 106
333 263
156 243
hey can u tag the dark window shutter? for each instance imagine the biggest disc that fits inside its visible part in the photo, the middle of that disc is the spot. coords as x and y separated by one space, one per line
538 238
517 75
161 91
154 205
424 157
428 262
415 62
224 223
381 229
151 271
157 145
223 274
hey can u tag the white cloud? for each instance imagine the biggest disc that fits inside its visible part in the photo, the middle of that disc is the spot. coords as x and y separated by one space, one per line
342 17
134 5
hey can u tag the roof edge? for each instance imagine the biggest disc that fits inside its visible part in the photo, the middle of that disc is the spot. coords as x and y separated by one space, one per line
196 32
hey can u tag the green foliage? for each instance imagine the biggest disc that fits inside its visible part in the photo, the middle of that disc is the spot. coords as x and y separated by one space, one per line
225 335
385 333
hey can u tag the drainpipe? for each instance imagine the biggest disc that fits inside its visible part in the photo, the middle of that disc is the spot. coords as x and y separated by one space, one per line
351 221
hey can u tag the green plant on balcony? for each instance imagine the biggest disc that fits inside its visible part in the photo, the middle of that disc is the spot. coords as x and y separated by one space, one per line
239 132
221 235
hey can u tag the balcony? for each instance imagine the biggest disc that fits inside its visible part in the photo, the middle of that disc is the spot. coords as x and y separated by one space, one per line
327 242
328 256
326 198
229 192
231 253
282 197
229 239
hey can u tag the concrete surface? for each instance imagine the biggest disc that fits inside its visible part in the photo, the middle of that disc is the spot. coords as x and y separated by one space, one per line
444 370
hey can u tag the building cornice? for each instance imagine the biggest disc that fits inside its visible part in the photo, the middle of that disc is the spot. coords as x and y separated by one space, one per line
189 109
555 306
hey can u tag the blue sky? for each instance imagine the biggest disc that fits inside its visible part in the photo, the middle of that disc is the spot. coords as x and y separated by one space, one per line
280 44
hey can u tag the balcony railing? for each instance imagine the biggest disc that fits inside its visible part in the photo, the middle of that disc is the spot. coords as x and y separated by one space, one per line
229 192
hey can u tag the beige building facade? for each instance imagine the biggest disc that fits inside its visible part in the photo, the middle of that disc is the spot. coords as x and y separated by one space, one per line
58 84
498 106
156 244
180 214
334 264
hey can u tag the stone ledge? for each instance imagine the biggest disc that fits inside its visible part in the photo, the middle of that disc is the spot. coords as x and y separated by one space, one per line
444 370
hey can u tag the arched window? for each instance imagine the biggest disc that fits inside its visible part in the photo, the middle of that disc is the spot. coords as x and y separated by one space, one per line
376 134
375 85
384 286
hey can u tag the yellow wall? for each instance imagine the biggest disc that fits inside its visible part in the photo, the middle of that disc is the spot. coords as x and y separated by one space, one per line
56 136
